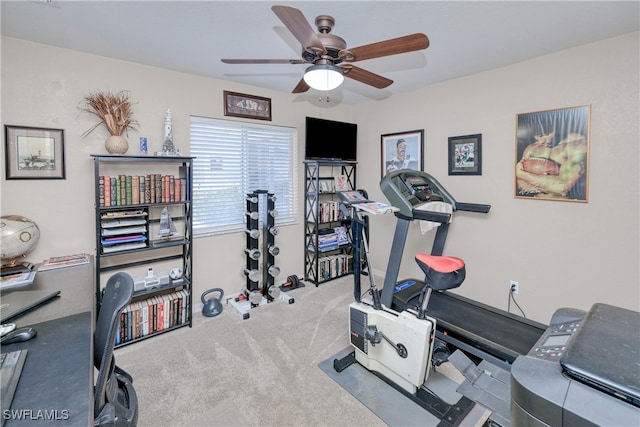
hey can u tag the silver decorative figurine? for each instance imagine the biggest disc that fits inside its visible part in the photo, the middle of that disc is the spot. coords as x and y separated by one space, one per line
168 149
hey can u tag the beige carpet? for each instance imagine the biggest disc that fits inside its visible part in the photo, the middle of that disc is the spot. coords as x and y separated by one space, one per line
262 371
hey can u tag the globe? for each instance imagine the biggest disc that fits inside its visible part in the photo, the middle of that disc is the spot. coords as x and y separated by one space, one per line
18 236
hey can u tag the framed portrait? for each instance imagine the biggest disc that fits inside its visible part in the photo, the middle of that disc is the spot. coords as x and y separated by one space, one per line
465 155
552 154
402 150
246 106
34 153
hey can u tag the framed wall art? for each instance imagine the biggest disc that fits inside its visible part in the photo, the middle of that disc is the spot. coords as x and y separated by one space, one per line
246 106
402 150
552 154
465 155
34 153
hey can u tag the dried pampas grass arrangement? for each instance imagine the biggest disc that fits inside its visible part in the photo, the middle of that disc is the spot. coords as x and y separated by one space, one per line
114 111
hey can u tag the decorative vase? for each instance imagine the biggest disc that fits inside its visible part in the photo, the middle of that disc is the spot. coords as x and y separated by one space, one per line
116 144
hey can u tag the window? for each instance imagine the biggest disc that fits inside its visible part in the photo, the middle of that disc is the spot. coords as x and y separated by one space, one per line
233 159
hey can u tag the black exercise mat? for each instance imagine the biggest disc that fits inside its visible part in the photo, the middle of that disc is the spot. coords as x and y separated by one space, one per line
389 404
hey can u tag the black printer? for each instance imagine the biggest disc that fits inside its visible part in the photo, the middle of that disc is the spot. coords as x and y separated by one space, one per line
583 371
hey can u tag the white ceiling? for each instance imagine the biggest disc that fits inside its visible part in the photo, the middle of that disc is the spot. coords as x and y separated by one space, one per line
192 36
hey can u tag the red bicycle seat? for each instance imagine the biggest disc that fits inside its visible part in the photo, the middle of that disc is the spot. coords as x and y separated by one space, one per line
441 264
441 272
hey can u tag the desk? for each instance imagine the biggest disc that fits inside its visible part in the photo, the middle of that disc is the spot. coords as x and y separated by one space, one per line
77 293
56 385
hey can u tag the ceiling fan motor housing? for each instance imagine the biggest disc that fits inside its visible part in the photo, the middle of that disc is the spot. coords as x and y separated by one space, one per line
332 43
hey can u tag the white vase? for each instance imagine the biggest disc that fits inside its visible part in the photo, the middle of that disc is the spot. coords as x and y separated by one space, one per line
116 144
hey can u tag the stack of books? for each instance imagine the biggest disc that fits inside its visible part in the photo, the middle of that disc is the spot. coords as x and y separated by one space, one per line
123 230
334 239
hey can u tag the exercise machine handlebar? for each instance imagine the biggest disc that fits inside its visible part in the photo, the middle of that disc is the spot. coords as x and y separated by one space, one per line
472 207
440 217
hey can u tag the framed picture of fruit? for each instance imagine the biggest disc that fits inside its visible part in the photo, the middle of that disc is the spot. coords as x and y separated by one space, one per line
552 154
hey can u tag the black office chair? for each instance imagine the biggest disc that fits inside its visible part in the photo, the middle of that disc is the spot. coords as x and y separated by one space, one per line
115 399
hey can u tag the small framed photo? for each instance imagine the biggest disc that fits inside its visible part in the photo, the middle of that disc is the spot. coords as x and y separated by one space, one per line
34 153
465 155
402 150
246 106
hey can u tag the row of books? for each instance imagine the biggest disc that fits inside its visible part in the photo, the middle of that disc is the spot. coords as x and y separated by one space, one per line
154 314
333 266
329 210
136 189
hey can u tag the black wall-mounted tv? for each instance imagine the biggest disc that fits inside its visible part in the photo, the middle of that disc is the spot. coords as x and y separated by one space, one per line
330 140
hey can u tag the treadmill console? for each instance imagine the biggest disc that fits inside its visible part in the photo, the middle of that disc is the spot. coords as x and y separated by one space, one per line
407 189
420 188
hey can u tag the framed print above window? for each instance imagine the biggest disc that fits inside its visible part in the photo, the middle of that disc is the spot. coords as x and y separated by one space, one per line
34 153
465 155
402 150
552 154
246 106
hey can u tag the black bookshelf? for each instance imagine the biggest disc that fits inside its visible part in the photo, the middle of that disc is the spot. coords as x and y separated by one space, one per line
128 238
331 259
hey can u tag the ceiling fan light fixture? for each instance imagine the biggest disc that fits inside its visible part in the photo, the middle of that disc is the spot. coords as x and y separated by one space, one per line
323 77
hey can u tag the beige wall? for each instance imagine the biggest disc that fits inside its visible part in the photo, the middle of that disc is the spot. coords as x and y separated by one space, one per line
563 254
43 86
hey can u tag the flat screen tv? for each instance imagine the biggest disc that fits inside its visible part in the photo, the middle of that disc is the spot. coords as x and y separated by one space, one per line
330 140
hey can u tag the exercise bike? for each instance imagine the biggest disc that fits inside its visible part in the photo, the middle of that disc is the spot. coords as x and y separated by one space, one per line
398 346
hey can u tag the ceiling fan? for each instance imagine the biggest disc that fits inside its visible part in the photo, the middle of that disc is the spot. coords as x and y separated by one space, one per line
329 55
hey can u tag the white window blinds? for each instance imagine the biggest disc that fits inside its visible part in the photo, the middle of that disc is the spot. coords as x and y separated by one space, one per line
233 159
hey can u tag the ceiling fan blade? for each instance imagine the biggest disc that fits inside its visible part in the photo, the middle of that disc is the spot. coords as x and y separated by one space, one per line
295 21
301 87
366 77
395 46
264 61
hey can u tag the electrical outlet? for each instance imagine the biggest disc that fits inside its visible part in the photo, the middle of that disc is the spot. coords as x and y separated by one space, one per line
514 287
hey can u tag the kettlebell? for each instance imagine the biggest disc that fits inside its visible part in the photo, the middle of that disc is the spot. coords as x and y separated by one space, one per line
212 307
